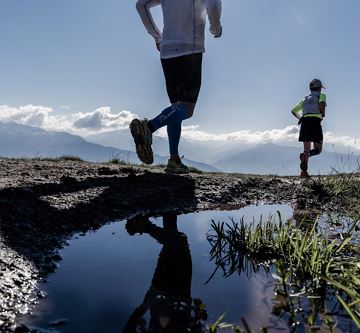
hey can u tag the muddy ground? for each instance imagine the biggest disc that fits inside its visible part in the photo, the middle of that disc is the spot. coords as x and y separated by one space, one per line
44 202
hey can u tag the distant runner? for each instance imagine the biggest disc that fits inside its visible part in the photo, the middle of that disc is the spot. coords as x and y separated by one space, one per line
181 45
310 112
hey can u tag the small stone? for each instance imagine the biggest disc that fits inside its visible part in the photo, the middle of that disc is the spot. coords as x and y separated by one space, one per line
105 171
68 179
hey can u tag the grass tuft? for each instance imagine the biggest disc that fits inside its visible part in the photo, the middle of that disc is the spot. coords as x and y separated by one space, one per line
310 269
117 159
74 158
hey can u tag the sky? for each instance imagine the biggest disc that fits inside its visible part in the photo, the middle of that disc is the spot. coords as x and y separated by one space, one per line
88 66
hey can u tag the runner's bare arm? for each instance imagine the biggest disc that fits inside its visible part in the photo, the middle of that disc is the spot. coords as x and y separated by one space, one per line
322 106
297 110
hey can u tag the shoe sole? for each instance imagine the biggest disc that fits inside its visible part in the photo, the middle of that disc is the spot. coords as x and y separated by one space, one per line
303 164
176 172
143 148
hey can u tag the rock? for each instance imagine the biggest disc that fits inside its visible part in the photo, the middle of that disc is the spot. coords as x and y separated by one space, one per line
107 171
67 179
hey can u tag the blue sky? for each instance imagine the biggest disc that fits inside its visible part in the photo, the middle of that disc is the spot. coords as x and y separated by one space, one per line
78 56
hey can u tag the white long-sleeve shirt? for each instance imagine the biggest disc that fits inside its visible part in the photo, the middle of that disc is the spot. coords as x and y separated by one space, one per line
184 24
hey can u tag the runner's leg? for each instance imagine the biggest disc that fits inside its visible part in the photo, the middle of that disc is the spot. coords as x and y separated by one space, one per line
307 148
183 81
316 150
304 157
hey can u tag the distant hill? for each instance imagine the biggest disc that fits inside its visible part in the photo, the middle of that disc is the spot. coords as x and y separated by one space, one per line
123 140
26 141
275 159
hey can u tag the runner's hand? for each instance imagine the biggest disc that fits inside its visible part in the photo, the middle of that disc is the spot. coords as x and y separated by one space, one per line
158 46
217 33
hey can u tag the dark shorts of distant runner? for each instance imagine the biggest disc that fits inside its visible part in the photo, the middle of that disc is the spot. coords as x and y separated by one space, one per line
183 77
311 130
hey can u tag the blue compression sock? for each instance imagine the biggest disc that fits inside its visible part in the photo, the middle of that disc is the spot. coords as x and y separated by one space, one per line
172 114
174 133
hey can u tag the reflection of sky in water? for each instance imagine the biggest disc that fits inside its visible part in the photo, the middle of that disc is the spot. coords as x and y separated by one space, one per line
331 225
106 274
335 225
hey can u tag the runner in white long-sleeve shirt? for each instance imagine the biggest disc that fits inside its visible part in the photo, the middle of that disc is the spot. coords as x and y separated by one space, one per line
181 45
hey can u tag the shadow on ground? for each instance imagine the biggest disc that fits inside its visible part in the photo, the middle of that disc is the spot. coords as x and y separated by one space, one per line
36 221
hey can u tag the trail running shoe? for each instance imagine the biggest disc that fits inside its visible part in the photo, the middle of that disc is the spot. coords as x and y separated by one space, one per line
143 140
304 174
176 166
136 225
303 162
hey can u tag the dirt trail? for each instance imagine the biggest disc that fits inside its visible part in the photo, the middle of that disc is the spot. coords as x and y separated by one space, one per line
44 202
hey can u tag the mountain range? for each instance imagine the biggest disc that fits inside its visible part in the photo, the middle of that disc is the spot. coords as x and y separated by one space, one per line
280 160
26 141
265 158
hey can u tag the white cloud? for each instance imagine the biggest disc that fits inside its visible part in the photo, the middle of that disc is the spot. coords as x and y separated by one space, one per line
105 120
284 136
288 134
346 141
100 120
29 115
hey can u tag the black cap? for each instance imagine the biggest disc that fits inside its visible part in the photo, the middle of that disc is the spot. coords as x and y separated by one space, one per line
316 83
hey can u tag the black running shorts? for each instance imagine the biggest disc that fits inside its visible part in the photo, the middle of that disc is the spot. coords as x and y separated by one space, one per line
311 130
183 77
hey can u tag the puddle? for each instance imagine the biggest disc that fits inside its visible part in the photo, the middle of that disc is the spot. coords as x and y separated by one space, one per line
106 275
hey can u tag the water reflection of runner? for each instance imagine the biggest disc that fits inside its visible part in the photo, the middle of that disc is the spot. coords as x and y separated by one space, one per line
169 296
